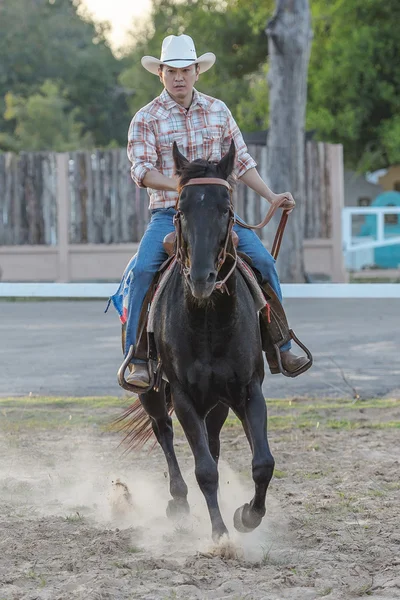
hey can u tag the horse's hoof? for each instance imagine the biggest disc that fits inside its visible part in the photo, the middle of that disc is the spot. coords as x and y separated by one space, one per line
220 534
177 509
246 520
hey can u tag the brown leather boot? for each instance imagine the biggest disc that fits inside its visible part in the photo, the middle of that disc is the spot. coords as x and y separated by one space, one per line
290 362
139 375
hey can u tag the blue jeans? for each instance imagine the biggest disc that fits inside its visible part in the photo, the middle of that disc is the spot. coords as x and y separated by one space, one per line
151 255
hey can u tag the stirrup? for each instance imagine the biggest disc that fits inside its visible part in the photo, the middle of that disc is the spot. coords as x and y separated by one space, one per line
303 369
128 386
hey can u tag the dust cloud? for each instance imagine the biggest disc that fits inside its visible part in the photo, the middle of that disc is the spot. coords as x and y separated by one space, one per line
83 483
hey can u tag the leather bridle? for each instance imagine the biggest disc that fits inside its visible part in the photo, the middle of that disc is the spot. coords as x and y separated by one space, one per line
181 254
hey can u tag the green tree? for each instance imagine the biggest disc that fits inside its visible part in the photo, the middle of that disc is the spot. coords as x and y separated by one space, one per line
45 121
44 40
354 79
252 111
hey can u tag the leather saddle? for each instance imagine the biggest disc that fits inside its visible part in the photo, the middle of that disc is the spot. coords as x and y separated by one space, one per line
274 327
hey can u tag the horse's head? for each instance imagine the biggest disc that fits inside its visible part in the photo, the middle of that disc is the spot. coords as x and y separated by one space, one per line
204 218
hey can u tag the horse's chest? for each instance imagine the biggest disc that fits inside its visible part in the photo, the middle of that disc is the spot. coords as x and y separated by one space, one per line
209 372
210 379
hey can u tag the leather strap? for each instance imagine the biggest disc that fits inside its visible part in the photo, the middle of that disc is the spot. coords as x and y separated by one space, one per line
272 210
276 246
207 180
281 227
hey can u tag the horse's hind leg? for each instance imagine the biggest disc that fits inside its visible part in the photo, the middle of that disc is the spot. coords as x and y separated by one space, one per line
155 405
254 419
214 422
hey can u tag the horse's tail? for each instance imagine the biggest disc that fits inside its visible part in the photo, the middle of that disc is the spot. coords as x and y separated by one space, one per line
137 425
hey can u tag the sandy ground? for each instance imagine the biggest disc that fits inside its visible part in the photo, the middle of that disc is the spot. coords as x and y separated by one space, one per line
331 529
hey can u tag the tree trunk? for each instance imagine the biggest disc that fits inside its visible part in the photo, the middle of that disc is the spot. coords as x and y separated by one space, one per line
289 41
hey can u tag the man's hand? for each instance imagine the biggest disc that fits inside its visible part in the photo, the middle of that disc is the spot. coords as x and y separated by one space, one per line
289 203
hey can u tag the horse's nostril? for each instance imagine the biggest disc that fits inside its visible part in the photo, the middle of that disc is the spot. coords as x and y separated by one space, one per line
201 279
211 278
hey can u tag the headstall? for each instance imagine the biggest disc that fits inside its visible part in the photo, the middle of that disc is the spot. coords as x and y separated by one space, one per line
181 254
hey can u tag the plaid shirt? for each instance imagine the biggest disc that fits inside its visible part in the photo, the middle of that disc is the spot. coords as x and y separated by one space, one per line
204 131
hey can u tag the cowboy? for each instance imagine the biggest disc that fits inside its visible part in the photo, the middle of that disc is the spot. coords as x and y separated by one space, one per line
202 127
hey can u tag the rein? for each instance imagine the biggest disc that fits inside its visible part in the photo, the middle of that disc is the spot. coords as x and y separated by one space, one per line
281 227
181 255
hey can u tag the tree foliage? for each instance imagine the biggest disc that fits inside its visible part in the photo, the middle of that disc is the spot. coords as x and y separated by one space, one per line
44 40
43 121
354 79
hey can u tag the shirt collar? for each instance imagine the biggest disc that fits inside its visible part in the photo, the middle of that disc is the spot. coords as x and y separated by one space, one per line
166 100
198 99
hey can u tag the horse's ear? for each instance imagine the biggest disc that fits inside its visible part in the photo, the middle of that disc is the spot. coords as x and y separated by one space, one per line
227 162
179 160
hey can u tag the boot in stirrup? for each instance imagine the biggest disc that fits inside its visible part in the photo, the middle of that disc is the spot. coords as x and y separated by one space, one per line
275 333
139 375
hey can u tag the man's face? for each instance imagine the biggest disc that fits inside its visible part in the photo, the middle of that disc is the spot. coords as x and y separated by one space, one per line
179 83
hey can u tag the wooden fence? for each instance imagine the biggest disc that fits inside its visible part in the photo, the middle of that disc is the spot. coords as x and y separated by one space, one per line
104 206
94 201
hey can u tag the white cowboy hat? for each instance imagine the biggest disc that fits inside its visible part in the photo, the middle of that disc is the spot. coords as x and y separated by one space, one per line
178 51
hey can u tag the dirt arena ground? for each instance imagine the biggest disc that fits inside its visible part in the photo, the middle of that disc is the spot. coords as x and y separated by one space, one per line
331 529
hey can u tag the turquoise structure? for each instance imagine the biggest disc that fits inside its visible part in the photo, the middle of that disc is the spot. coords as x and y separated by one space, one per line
386 257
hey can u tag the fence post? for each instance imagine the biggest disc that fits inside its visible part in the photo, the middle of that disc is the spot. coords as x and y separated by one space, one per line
63 205
339 273
380 227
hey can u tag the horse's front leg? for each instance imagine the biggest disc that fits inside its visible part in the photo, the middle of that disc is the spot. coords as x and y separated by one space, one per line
254 419
214 422
155 406
206 470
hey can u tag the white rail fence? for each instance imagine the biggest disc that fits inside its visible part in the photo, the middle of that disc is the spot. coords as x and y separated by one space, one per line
289 290
353 243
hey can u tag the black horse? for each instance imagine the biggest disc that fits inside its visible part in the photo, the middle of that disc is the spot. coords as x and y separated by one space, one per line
208 339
